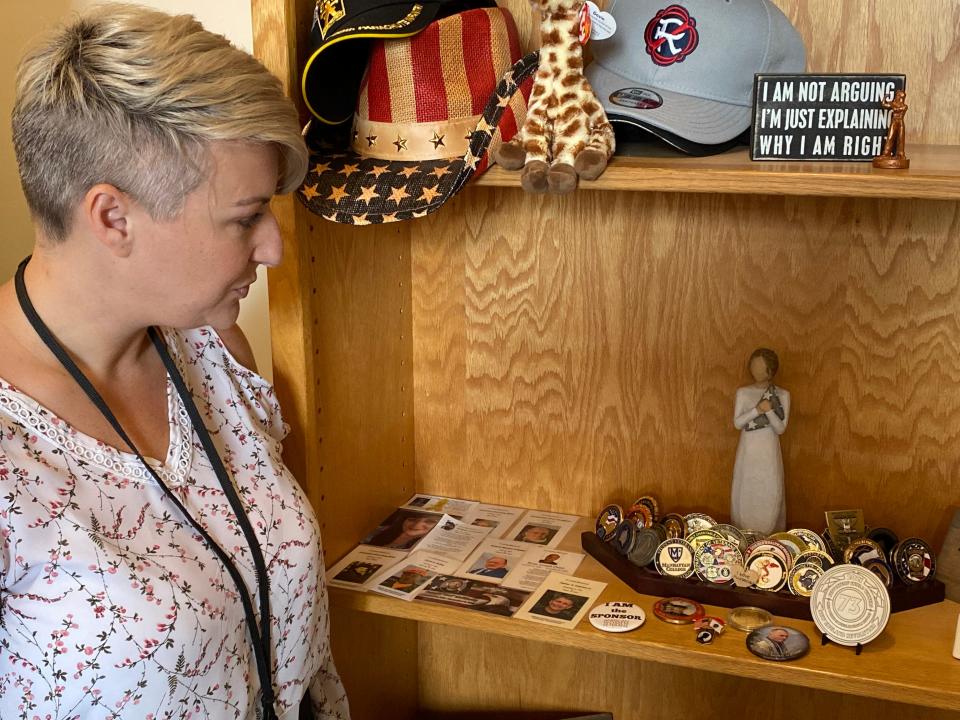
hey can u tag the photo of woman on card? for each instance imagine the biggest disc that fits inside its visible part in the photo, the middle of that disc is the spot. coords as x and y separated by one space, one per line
403 529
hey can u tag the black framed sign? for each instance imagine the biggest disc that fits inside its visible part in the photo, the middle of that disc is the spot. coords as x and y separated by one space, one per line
821 117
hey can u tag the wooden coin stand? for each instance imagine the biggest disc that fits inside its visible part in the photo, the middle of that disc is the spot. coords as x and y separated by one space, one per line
648 581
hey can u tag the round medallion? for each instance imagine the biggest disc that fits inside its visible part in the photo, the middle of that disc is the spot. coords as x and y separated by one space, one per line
701 537
674 525
748 618
674 558
714 561
732 534
677 610
698 521
813 541
624 537
885 538
860 550
850 605
617 617
777 642
640 515
772 547
803 577
881 570
644 548
607 522
815 556
650 502
792 543
771 571
914 561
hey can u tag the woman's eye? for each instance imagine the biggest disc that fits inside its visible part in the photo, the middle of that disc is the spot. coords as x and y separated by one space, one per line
249 222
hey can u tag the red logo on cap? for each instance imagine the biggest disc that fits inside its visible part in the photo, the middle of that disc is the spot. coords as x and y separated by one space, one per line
671 35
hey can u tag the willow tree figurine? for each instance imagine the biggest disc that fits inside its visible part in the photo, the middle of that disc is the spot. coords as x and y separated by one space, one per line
762 410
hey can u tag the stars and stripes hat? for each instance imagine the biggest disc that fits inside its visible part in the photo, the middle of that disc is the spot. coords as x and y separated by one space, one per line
430 108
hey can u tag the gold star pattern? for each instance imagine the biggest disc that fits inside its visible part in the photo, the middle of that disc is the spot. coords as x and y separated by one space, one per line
470 160
338 193
508 77
409 171
310 191
440 171
484 126
361 220
420 214
378 170
349 170
398 194
503 100
401 143
368 193
429 194
321 168
437 140
371 140
391 217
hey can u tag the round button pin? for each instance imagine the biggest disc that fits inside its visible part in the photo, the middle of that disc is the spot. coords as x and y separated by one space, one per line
617 617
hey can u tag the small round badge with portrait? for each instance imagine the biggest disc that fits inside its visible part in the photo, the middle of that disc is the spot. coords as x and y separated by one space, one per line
617 617
777 642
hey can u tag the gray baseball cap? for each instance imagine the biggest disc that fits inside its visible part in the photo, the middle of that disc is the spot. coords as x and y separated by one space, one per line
687 68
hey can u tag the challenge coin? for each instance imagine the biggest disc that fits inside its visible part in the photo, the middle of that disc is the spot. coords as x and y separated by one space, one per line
698 521
792 543
607 522
674 558
747 618
624 537
650 502
732 535
700 537
645 543
813 541
674 525
640 515
769 546
885 538
677 610
815 556
771 571
778 642
714 561
850 605
862 549
914 561
881 570
617 617
803 577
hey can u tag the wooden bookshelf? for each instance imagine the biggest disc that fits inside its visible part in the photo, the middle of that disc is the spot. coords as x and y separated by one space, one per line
910 662
934 174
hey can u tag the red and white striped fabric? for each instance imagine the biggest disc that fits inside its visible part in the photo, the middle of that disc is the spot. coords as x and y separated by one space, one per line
423 96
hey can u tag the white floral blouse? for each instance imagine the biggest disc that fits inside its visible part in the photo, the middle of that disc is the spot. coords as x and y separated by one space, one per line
112 606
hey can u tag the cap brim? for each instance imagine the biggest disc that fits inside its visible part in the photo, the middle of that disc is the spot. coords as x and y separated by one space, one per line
343 186
629 130
698 120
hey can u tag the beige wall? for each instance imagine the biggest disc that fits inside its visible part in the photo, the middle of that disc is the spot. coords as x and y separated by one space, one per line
24 21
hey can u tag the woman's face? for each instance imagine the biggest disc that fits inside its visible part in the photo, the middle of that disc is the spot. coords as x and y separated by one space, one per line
418 526
759 369
193 270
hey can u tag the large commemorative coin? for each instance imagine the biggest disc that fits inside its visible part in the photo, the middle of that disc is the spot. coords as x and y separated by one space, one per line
850 605
644 548
608 521
674 558
771 570
617 617
914 561
714 561
803 577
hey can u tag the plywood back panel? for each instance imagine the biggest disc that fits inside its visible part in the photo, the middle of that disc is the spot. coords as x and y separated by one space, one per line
570 352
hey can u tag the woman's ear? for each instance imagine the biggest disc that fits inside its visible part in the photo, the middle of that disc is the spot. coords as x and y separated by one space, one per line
106 213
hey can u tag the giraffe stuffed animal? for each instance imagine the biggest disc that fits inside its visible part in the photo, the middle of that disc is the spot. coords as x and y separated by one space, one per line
566 133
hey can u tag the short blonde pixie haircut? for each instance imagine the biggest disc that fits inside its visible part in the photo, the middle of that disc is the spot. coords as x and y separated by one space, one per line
131 97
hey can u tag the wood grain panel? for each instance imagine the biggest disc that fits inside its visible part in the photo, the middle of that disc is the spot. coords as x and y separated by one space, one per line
570 352
464 670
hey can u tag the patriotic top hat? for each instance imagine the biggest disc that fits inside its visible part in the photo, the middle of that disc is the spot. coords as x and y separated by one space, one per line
430 108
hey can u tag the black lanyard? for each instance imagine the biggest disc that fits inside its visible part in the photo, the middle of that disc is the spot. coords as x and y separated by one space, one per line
260 636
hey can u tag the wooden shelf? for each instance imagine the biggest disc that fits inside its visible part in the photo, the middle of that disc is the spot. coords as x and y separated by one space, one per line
934 175
910 662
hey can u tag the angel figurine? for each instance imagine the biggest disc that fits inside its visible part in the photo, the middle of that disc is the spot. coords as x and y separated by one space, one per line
762 410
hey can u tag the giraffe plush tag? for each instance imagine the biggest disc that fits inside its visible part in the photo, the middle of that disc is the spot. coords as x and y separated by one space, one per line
584 23
602 24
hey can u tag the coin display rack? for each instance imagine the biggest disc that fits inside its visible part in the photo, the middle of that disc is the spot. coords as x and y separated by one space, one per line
647 581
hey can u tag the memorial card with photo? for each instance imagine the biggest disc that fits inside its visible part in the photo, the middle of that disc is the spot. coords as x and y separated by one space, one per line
412 574
537 563
453 538
499 518
493 560
360 567
439 504
542 528
562 600
403 529
473 594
